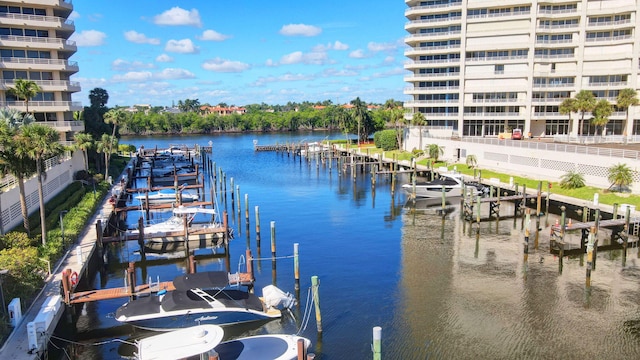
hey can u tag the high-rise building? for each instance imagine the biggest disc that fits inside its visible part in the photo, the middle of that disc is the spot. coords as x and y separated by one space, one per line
35 45
481 66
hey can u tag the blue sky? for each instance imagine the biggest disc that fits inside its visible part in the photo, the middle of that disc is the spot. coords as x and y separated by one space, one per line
240 52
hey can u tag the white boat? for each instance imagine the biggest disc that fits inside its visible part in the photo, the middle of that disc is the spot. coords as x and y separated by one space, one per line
159 235
205 340
451 182
203 298
312 148
166 197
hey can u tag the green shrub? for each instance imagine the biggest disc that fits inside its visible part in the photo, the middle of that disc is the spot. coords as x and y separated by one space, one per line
386 140
572 180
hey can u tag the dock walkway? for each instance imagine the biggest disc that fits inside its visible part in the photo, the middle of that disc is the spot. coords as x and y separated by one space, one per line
17 345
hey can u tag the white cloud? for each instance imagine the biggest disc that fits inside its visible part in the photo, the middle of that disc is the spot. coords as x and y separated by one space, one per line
164 58
224 65
89 38
375 47
283 78
178 16
340 46
300 30
184 46
138 38
392 72
341 73
357 54
314 57
212 35
74 15
174 74
135 76
123 65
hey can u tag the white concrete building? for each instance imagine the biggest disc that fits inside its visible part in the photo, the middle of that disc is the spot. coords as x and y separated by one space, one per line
35 45
480 66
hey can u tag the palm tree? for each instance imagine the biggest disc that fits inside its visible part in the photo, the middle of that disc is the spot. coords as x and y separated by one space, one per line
585 102
84 142
620 175
10 162
105 146
568 106
572 180
419 120
601 113
625 99
472 161
435 151
25 90
114 116
360 113
40 142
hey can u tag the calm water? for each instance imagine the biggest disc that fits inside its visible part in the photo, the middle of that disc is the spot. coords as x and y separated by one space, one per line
438 290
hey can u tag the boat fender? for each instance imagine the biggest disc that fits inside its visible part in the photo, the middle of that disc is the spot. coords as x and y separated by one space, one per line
73 278
162 292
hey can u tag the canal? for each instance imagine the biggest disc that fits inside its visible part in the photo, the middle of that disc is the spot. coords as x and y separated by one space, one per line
438 288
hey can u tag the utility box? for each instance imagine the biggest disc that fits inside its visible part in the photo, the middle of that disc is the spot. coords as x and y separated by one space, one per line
15 312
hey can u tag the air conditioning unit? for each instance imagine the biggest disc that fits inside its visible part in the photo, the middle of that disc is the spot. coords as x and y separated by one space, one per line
15 312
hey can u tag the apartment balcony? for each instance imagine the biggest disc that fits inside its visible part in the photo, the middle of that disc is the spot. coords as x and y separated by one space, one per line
47 85
555 57
606 85
38 43
40 64
37 21
45 106
420 37
427 63
559 28
610 39
492 114
561 42
609 24
430 50
499 16
547 101
425 103
64 4
548 115
554 86
545 13
63 126
492 101
427 77
493 59
428 9
422 23
429 89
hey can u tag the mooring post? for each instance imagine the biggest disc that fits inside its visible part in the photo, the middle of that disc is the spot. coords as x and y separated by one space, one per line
192 264
478 210
615 211
273 240
444 199
246 211
296 266
233 202
239 202
141 234
302 350
377 343
526 235
625 234
131 280
257 212
66 285
315 291
590 249
250 264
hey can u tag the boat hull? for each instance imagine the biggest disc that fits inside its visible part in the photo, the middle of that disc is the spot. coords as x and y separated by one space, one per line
430 192
221 318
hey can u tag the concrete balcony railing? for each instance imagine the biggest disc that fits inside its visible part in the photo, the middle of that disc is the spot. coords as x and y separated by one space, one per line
417 103
37 20
45 106
59 85
38 42
40 64
64 126
424 77
608 23
67 4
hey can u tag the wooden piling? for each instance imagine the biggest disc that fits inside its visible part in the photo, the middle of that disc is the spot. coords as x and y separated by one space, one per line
315 290
257 213
246 211
273 239
377 343
192 264
250 264
590 249
141 234
131 280
66 285
302 350
526 235
296 266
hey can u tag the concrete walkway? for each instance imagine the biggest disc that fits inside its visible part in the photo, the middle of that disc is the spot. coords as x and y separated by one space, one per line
17 345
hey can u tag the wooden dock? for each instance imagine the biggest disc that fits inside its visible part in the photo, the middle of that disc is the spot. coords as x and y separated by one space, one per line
243 279
620 236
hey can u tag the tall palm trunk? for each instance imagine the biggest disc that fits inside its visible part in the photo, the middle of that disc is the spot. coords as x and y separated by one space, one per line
106 166
43 224
23 205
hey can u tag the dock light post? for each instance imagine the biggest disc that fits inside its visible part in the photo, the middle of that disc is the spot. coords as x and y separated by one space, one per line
3 272
61 214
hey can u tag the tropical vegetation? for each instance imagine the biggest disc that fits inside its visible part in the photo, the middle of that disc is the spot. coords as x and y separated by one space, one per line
572 180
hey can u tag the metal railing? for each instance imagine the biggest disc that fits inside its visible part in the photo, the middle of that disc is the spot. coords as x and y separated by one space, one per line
39 61
42 40
9 181
37 18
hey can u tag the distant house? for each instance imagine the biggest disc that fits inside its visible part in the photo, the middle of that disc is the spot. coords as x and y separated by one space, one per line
222 111
319 107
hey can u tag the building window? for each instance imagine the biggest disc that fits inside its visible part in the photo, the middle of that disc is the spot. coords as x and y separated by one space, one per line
499 69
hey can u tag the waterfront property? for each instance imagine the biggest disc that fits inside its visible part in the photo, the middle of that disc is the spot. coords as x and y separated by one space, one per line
481 67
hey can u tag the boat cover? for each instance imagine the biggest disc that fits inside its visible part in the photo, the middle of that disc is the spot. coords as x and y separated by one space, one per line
201 280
